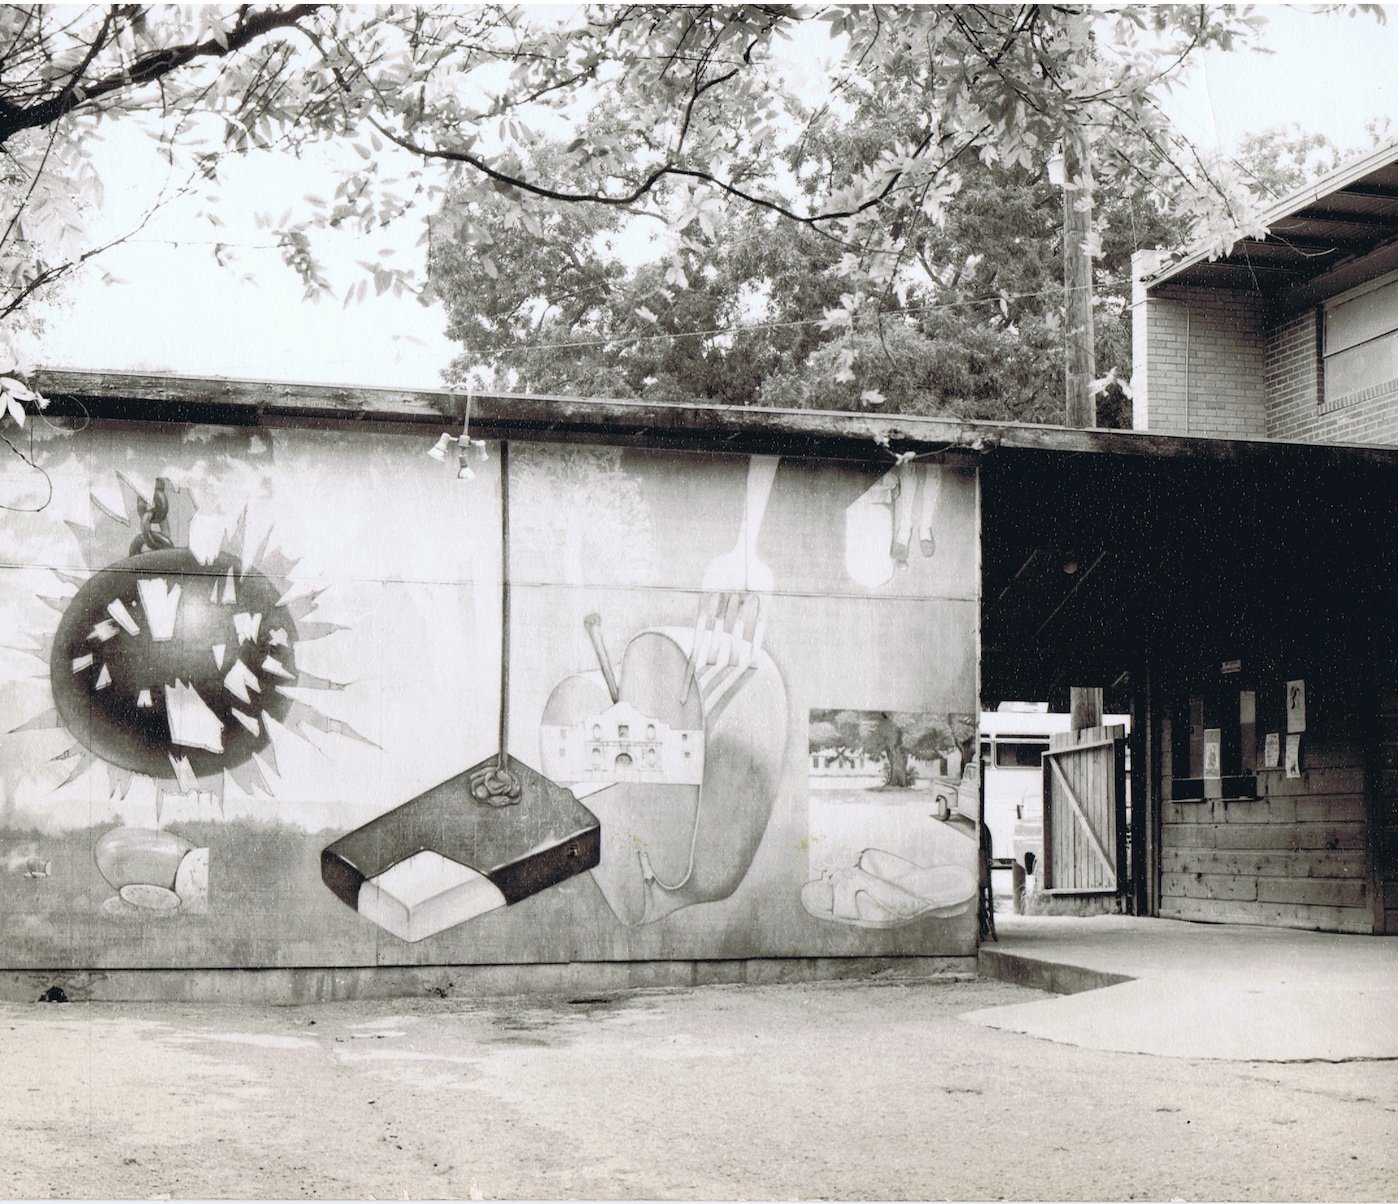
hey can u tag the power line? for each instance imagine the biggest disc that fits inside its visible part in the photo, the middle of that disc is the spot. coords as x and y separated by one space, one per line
931 307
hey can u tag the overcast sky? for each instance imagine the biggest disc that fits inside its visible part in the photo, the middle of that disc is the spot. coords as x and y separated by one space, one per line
177 310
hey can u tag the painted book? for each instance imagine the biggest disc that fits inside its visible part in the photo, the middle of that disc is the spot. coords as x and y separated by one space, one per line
450 855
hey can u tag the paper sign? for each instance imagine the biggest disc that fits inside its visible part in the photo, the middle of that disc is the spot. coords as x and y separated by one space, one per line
1296 706
1293 755
1247 730
1213 755
1271 751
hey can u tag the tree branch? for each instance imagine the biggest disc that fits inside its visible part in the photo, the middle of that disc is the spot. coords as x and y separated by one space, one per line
150 67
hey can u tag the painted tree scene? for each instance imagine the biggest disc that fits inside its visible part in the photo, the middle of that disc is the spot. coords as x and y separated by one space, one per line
903 747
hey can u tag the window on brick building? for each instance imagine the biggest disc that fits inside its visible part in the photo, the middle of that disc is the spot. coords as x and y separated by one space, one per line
1359 344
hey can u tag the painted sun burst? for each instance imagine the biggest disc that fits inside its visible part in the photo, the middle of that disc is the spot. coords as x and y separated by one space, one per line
178 664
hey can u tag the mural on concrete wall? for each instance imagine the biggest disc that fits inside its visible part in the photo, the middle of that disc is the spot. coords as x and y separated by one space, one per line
494 834
175 661
893 827
491 836
679 751
209 645
679 747
891 523
172 661
263 723
152 870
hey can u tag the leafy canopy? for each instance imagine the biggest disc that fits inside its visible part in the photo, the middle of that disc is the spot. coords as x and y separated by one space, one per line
971 334
676 113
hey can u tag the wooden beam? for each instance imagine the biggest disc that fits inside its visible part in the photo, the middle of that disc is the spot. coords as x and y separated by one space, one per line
1369 192
240 402
1309 293
871 438
1096 742
1033 556
1068 596
1350 217
1281 240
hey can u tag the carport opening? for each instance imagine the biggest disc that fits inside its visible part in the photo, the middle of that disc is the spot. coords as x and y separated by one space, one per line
1194 581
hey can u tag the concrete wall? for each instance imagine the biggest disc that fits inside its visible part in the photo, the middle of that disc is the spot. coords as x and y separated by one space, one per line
1199 358
250 693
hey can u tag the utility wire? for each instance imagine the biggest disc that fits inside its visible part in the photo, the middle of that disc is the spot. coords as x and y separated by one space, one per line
741 328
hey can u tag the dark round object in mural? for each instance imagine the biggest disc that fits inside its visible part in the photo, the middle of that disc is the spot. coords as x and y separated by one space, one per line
169 667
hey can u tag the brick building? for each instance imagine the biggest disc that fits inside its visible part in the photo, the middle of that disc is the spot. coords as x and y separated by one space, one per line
1290 336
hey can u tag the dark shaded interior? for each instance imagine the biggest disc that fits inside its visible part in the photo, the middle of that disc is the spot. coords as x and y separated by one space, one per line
1100 568
1186 579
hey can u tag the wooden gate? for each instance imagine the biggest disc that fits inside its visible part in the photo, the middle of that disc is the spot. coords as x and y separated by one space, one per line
1085 812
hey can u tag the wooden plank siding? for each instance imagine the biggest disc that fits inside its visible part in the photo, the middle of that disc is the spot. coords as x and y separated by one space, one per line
1294 856
1385 812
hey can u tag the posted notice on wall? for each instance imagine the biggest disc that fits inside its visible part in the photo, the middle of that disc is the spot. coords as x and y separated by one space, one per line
1271 751
1293 755
1296 706
1213 752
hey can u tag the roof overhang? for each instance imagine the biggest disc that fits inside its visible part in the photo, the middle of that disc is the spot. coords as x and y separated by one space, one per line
865 436
1320 240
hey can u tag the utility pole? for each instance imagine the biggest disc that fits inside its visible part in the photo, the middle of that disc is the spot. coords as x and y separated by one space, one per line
1077 286
1086 704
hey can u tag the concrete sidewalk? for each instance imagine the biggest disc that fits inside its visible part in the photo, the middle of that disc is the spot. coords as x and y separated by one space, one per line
1228 991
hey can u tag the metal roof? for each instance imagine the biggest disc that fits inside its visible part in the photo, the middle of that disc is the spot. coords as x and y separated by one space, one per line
1339 219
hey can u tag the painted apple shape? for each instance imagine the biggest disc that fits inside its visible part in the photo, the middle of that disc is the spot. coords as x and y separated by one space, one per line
670 845
161 659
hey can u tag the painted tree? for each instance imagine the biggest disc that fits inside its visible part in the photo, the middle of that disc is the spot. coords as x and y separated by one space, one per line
890 737
675 114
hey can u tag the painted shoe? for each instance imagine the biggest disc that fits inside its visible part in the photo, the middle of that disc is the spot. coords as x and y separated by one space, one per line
857 895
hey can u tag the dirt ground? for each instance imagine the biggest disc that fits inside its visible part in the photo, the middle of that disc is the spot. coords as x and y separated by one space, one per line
839 1091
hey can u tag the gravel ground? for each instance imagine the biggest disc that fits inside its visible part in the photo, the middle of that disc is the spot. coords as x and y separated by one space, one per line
839 1091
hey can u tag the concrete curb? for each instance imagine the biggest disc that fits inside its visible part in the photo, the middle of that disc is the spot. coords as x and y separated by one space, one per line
330 984
1057 977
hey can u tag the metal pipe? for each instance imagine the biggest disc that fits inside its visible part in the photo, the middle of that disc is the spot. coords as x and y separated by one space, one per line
504 603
